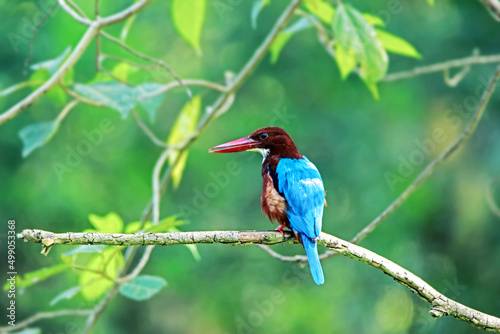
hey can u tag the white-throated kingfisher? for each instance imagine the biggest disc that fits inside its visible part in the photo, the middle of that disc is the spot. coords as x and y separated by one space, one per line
292 189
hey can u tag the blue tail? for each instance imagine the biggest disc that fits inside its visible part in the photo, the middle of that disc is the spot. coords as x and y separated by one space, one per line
311 248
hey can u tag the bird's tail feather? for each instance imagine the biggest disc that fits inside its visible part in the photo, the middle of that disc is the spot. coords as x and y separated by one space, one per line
311 248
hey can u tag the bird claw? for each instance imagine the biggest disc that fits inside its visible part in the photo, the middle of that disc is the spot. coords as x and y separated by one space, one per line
280 229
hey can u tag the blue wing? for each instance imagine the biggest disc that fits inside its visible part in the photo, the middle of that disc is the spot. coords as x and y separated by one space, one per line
301 184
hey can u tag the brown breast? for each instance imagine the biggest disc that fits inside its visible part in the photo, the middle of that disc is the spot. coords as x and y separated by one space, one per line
273 204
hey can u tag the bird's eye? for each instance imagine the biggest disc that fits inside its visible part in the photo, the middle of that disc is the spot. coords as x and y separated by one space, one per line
263 136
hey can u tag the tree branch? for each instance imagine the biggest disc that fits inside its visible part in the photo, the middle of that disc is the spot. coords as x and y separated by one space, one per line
43 315
493 7
441 305
471 60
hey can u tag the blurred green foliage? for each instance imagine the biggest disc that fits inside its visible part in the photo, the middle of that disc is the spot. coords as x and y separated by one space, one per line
446 233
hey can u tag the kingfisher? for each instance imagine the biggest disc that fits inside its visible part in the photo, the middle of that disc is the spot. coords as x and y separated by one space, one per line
292 189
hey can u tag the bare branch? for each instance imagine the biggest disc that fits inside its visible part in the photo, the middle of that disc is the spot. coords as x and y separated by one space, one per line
78 17
439 67
124 14
436 162
187 82
491 200
44 315
148 131
441 305
156 182
66 110
493 7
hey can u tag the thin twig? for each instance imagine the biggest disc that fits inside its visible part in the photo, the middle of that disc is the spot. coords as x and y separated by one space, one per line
439 67
81 98
156 183
139 267
76 8
490 198
436 162
44 315
74 15
16 87
134 64
441 305
493 7
150 59
66 110
148 131
188 82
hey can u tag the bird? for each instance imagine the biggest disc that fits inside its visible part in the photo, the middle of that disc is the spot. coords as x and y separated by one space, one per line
293 193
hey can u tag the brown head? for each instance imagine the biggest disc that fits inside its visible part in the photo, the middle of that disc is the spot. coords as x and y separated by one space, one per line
270 140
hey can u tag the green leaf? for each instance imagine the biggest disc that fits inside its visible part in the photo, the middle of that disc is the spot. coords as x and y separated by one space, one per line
56 93
33 277
134 227
372 87
277 46
152 104
188 17
357 37
430 2
321 9
373 20
397 45
142 287
66 294
194 251
36 135
345 62
165 225
85 249
95 284
192 248
53 64
111 223
183 126
256 8
284 36
123 70
113 94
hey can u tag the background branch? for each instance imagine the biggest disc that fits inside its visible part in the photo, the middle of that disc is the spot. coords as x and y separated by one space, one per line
44 315
441 305
475 59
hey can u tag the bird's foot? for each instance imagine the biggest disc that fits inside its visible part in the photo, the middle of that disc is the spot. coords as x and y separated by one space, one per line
280 229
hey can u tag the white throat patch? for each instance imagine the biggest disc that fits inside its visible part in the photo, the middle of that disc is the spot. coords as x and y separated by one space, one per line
263 151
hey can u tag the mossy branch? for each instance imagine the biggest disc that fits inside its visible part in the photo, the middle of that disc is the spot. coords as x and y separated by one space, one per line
440 304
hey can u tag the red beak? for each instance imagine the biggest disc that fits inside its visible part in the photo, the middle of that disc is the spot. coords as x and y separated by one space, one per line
237 145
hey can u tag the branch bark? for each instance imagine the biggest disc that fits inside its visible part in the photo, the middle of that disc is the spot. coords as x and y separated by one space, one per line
441 305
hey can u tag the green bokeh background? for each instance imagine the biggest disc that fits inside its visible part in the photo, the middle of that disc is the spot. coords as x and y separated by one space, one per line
445 232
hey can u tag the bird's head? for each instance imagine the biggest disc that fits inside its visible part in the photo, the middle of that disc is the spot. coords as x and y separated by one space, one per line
269 140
